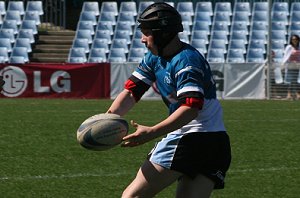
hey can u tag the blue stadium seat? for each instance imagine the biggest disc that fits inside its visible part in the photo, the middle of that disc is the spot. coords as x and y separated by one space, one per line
105 25
294 26
35 6
7 33
295 16
136 55
242 7
185 7
4 54
260 16
215 56
86 25
91 7
20 51
278 25
109 6
204 7
278 35
108 17
220 26
13 15
17 59
2 8
103 34
126 17
280 17
259 25
100 43
29 24
5 42
120 43
23 42
258 35
257 44
186 29
88 16
201 26
186 19
237 44
121 34
239 26
295 6
200 45
200 35
218 44
280 7
32 15
26 33
255 56
222 17
223 7
77 55
239 35
128 6
97 55
10 24
124 26
16 6
277 45
241 17
222 35
117 55
203 17
235 56
84 34
260 6
81 43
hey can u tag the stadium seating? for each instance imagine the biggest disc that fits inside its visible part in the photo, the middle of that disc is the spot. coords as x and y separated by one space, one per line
234 25
35 6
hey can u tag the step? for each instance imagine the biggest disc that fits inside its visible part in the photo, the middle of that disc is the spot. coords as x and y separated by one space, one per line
48 60
50 46
58 33
56 50
56 42
55 37
50 55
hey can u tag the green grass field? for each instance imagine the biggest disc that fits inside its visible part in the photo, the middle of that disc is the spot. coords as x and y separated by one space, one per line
40 156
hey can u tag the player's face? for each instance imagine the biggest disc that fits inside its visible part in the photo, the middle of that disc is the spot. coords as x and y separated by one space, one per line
148 40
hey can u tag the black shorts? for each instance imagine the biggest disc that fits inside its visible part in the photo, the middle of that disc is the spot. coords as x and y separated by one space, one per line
206 153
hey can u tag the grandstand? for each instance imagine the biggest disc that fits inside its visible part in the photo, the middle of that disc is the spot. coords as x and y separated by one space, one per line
207 26
222 24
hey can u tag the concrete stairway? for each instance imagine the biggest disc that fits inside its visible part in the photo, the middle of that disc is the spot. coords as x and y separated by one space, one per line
52 46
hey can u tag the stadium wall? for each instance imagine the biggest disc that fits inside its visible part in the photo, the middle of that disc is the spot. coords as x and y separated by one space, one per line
106 80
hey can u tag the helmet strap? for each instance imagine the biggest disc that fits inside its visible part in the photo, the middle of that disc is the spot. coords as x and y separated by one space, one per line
162 39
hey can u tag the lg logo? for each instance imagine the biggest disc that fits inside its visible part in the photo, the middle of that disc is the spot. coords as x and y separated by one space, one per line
16 82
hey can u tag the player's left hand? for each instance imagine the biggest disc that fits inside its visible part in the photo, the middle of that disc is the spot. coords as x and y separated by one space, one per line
142 135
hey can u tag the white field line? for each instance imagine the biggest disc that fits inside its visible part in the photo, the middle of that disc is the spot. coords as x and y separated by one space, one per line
66 176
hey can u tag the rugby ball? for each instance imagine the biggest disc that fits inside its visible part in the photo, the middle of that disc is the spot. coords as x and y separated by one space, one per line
102 131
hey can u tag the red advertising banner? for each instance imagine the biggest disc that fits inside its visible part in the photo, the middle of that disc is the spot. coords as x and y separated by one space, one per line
50 80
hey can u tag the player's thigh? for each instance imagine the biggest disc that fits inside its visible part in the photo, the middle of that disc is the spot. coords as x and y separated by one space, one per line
200 187
150 180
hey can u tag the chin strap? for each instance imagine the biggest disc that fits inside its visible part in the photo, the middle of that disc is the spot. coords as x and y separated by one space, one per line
162 39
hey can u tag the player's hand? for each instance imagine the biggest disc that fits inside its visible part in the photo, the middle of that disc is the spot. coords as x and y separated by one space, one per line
142 135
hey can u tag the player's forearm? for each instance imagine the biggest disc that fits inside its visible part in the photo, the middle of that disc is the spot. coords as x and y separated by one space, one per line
123 103
176 120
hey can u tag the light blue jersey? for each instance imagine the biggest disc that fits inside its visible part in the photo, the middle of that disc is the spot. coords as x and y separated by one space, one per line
185 74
